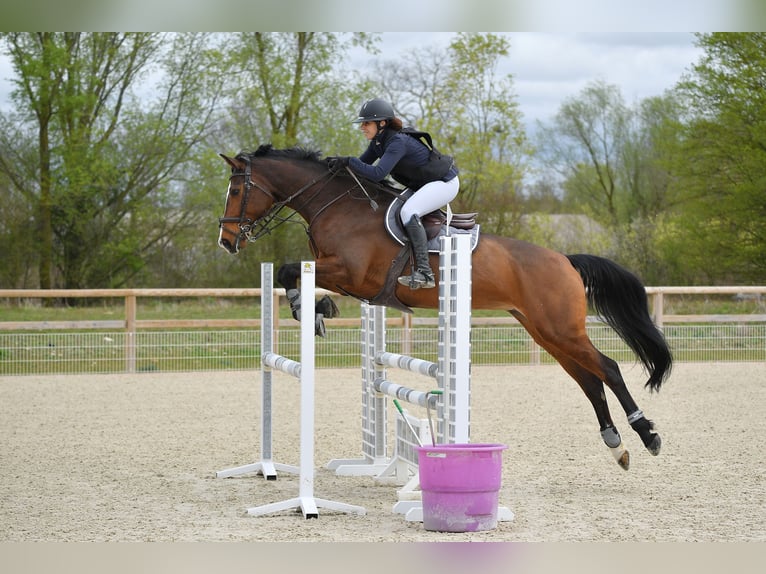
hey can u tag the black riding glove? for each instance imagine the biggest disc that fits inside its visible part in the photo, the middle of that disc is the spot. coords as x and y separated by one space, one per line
337 163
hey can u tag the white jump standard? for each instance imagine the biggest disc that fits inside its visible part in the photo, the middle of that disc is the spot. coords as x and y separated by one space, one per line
305 501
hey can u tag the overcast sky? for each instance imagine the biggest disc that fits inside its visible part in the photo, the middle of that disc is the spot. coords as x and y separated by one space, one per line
549 67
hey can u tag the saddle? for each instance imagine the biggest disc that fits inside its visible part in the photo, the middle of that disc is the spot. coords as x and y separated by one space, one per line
436 226
433 221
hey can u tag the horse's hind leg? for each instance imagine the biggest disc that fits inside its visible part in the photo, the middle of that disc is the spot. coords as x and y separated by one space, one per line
591 369
594 390
606 370
590 380
288 276
643 427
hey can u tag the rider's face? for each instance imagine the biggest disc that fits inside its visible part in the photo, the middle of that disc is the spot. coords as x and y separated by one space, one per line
369 129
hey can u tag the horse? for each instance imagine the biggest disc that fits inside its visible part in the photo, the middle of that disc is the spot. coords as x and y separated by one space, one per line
546 291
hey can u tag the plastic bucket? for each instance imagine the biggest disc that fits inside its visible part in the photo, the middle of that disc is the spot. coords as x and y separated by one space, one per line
460 485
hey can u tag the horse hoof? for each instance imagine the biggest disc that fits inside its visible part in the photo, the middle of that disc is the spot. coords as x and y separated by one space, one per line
319 328
655 445
327 307
620 454
624 461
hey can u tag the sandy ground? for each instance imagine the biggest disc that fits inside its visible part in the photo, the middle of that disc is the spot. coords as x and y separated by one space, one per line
134 457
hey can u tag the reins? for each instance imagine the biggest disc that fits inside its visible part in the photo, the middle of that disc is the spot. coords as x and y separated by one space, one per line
252 230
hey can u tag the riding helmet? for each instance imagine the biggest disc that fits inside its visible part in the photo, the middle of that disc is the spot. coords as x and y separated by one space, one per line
375 110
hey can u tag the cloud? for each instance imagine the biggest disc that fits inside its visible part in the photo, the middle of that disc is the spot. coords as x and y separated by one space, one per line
549 67
402 15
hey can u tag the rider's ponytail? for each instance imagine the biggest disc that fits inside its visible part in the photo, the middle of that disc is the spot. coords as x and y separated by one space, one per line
394 124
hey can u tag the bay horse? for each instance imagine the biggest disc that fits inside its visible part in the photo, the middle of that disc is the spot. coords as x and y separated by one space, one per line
546 291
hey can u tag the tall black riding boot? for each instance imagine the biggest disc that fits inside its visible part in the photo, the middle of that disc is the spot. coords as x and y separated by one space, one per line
422 276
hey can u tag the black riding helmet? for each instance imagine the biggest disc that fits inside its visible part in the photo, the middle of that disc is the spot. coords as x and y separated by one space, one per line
375 110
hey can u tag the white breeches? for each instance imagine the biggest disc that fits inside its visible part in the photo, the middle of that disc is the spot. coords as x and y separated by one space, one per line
430 197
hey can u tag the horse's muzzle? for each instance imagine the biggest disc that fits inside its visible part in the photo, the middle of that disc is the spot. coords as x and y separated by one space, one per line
232 248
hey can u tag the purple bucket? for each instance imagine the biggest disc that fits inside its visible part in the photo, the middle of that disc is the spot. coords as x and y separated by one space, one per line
460 485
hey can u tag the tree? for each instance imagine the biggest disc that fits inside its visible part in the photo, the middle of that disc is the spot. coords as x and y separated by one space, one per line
414 86
104 173
648 157
17 244
477 121
291 82
542 196
285 89
613 161
584 145
51 85
723 168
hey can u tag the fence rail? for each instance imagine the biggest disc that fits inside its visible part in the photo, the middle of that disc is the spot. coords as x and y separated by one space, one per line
129 344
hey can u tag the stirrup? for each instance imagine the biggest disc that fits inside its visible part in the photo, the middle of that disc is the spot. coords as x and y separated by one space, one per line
417 280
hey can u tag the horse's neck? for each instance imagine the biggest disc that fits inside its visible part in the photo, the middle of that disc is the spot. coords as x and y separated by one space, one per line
303 192
339 195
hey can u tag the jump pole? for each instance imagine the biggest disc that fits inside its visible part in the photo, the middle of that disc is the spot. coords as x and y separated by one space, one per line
305 501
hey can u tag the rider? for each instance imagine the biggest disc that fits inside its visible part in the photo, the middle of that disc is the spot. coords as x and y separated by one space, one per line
433 179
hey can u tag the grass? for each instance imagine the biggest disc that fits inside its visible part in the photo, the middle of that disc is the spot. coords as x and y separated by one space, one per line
713 305
155 308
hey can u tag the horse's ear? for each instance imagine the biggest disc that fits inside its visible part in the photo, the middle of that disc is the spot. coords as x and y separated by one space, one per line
230 161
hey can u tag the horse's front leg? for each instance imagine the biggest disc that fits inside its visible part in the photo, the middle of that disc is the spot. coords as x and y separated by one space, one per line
288 276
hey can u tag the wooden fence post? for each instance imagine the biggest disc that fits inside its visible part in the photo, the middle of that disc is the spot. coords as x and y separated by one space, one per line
130 333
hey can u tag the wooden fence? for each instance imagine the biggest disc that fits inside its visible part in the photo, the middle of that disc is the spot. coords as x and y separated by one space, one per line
131 325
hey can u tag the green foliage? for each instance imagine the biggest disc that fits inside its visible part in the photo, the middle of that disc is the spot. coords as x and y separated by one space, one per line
109 168
478 121
485 126
289 89
615 165
721 223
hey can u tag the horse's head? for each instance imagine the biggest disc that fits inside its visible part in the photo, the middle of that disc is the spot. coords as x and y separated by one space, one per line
247 201
263 183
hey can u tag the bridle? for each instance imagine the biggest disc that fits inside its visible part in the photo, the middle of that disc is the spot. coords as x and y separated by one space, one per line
252 230
245 224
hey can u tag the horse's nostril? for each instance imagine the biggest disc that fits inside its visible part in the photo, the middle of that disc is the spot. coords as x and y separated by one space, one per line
226 244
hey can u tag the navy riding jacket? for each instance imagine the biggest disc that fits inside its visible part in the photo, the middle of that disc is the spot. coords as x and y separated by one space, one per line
397 154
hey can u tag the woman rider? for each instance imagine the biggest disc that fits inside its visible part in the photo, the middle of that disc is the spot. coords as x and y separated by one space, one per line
410 162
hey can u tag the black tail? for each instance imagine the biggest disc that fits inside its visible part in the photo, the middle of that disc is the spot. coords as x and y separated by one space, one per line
619 298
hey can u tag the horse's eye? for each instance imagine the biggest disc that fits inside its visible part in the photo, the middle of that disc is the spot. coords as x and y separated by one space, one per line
234 191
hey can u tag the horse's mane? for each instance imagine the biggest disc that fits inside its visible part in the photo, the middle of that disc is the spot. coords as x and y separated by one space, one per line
296 152
301 153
